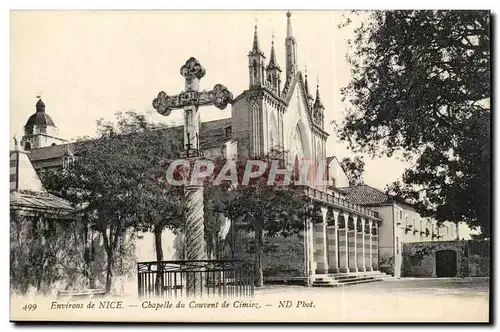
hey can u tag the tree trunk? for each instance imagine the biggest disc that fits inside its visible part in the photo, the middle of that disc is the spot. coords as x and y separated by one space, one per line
259 272
159 258
109 270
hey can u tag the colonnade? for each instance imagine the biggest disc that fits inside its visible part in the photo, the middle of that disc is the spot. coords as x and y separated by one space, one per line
340 242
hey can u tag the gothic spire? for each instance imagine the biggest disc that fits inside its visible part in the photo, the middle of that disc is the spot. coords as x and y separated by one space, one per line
273 64
307 84
289 31
291 49
317 102
255 47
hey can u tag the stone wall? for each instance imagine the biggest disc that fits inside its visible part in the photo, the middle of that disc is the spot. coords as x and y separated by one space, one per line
479 258
281 257
472 258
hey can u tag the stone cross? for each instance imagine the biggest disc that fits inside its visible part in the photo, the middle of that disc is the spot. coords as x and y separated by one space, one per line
189 100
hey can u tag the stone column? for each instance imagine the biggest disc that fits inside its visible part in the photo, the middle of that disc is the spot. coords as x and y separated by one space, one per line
360 245
310 247
324 256
333 242
352 252
343 248
375 247
369 264
194 236
319 220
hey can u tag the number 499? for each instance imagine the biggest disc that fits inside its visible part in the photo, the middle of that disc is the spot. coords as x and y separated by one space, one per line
29 307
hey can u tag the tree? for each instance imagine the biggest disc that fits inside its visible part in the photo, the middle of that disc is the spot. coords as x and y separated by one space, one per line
420 85
354 169
265 206
113 180
42 249
160 205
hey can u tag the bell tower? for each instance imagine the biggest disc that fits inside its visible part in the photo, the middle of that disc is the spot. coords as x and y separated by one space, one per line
256 63
40 130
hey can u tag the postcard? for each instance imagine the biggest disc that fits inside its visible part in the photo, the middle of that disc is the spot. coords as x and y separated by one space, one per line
250 166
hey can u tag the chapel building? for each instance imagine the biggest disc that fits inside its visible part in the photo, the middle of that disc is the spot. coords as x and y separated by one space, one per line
348 230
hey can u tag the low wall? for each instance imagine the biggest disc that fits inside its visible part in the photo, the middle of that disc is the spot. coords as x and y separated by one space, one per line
281 257
472 258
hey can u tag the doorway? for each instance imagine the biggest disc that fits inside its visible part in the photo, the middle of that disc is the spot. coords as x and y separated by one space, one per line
446 263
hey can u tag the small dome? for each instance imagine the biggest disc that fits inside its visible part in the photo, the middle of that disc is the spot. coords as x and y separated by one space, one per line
40 118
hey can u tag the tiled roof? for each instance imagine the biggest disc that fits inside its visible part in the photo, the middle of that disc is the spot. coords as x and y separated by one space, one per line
39 201
365 195
211 133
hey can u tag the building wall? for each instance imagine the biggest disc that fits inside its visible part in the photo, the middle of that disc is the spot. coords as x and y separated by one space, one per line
402 224
240 121
40 141
145 249
386 242
295 117
336 173
282 257
472 258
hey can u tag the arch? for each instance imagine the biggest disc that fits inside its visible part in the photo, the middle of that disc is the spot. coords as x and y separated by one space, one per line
367 226
298 137
350 223
330 217
359 225
297 117
341 221
317 214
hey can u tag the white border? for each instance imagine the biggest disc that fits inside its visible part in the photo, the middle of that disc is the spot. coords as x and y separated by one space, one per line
8 5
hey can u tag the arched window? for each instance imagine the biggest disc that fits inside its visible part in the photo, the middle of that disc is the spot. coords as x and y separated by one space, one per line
27 146
255 128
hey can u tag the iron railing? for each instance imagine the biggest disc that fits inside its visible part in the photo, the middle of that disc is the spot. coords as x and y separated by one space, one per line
198 278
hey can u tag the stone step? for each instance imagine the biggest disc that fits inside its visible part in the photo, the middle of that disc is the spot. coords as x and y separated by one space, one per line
359 279
355 282
356 279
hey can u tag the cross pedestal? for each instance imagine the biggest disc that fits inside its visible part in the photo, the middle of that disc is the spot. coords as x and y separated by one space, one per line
190 100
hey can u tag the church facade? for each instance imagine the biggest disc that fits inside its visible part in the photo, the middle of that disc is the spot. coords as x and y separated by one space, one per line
278 110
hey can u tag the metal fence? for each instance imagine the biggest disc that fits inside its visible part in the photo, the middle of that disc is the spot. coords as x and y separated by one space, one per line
200 278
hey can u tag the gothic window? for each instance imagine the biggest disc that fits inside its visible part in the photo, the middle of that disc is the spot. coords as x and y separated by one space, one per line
297 147
255 129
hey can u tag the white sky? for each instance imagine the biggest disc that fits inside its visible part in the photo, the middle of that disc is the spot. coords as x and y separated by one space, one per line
88 65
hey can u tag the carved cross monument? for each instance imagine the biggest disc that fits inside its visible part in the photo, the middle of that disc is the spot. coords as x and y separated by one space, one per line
190 100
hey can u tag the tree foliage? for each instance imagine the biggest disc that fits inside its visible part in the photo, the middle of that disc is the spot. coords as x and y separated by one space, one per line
114 180
354 169
265 206
43 247
420 84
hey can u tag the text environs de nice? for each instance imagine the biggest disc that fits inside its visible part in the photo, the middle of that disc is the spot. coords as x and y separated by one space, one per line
305 172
